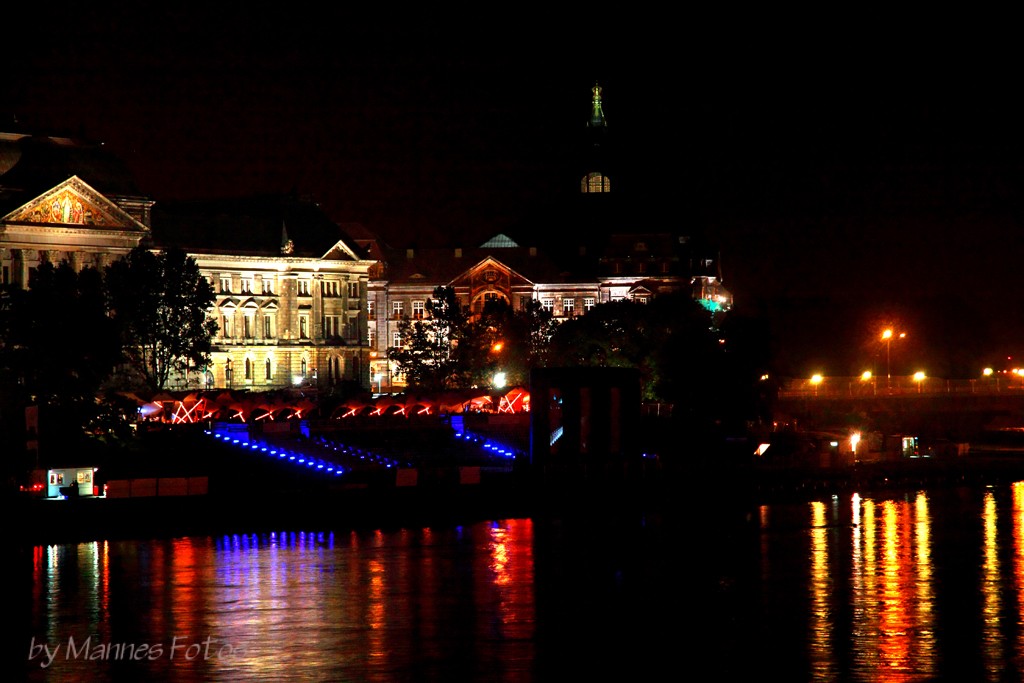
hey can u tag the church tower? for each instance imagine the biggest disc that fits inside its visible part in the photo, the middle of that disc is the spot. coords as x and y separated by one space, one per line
597 174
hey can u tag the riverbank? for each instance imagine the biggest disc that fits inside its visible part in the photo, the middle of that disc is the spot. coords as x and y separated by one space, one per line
725 491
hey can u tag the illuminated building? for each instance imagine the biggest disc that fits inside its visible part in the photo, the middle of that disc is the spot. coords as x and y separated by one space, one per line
301 300
290 285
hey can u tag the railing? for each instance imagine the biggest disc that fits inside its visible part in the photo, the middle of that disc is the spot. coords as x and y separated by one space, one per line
855 387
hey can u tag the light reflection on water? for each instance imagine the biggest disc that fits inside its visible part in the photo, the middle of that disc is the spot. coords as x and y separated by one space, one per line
913 586
292 606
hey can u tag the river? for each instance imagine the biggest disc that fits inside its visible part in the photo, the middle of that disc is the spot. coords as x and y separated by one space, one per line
912 585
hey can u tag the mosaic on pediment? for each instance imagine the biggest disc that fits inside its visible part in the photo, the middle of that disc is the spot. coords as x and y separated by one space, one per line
66 205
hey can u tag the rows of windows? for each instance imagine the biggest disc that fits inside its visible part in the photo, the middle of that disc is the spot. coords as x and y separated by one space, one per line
227 325
330 288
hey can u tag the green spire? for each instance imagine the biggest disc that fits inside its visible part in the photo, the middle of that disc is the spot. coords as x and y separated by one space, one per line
597 114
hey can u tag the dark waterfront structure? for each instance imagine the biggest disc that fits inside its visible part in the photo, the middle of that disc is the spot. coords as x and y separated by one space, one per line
583 416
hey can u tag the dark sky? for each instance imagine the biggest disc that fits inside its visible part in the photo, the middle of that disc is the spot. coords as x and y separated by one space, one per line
852 179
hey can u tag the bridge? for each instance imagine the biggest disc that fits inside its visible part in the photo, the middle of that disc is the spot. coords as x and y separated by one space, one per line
930 407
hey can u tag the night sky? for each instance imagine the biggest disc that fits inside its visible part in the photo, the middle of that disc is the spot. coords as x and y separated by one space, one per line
851 180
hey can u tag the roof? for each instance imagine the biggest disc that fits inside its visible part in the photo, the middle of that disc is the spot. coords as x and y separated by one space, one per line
443 265
32 164
263 225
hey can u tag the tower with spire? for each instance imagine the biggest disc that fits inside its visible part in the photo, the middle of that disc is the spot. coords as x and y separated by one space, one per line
596 178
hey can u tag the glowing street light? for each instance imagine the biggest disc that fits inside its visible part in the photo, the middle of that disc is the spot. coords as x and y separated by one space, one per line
919 377
816 380
887 335
499 380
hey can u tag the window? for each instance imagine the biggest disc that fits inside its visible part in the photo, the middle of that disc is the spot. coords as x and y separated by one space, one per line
303 287
418 310
372 337
396 310
268 286
249 324
371 312
568 307
332 326
351 327
548 304
225 285
595 182
268 327
246 285
227 322
640 298
303 367
269 370
248 369
329 288
396 339
353 290
303 327
588 303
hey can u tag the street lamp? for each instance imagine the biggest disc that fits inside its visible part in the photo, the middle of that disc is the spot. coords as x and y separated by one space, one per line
816 380
919 377
887 338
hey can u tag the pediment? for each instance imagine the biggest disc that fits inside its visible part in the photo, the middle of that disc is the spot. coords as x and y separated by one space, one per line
490 265
74 203
340 252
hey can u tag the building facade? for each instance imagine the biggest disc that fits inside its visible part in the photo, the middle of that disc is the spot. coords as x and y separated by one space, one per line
291 287
301 300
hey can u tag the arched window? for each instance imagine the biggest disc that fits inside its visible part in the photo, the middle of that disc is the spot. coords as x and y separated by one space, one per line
302 366
270 370
248 368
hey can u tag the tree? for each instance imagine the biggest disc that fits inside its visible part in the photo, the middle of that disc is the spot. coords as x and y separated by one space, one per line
427 357
505 340
57 346
159 302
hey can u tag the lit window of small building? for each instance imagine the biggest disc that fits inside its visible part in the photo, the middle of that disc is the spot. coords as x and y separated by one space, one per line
396 310
371 310
588 303
548 304
568 307
396 339
418 310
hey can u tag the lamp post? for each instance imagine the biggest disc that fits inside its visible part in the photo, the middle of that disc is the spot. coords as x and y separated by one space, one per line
887 338
816 380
